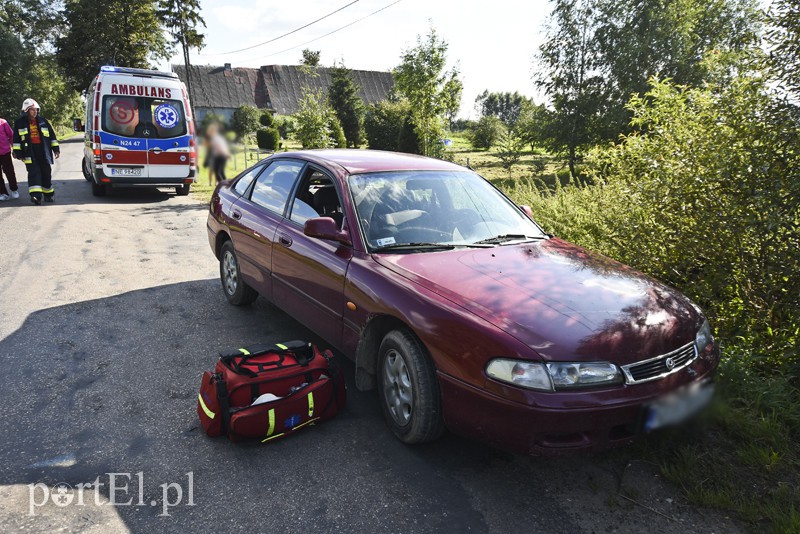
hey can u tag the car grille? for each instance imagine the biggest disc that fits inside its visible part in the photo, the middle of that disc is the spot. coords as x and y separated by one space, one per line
660 366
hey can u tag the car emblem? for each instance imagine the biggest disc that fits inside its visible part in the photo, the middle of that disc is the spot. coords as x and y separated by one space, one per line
109 156
670 363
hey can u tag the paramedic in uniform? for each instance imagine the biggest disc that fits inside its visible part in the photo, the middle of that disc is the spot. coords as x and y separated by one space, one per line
36 145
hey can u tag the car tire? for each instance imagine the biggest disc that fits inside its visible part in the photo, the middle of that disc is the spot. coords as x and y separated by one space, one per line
408 389
98 190
85 170
183 190
236 290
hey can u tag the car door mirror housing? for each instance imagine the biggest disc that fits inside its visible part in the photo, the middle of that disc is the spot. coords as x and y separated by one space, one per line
325 228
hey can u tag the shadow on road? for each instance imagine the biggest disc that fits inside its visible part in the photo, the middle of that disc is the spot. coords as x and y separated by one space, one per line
110 386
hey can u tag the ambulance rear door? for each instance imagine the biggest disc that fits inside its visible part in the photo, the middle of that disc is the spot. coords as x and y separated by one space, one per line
168 138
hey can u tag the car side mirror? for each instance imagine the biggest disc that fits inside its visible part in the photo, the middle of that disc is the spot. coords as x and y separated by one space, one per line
325 228
527 210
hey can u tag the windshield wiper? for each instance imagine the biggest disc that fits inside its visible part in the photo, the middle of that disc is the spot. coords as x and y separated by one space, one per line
504 238
416 246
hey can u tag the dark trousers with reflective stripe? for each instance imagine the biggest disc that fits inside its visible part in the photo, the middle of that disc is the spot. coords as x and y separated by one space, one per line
39 174
7 166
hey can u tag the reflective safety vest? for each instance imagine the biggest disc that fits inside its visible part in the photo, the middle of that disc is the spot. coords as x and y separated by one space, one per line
22 146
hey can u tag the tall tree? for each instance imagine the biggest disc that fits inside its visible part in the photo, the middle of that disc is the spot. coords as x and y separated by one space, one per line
451 96
421 78
182 18
109 32
640 39
784 36
348 106
570 75
505 106
310 57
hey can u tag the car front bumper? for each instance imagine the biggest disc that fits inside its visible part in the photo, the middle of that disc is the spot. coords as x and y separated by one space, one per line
564 422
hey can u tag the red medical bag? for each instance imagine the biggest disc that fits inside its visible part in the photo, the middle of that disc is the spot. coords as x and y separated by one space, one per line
270 391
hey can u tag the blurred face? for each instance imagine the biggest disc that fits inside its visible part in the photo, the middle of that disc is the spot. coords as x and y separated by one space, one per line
32 112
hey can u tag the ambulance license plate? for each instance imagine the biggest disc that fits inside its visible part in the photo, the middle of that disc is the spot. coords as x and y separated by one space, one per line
124 171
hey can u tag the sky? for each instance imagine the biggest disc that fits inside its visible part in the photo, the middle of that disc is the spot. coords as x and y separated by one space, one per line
491 42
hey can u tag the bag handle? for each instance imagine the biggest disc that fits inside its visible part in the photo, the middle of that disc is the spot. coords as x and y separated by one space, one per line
302 350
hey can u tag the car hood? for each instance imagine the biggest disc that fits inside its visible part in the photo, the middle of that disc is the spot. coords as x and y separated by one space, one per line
563 301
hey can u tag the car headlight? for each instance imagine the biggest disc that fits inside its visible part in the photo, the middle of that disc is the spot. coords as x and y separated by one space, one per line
576 375
529 375
553 376
704 338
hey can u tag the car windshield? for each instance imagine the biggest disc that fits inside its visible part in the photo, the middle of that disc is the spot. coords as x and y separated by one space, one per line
433 210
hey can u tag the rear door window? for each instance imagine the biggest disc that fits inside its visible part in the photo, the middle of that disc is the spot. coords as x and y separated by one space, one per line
273 186
130 116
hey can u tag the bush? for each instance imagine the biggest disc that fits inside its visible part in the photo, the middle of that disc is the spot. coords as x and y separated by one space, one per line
486 132
268 138
338 139
286 126
245 121
389 126
266 119
510 149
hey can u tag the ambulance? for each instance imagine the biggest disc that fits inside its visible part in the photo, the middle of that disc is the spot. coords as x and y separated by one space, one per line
139 131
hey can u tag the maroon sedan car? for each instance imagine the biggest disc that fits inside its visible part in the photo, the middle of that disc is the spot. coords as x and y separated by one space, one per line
457 306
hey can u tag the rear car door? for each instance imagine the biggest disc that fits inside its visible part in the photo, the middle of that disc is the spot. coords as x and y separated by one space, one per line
309 273
257 215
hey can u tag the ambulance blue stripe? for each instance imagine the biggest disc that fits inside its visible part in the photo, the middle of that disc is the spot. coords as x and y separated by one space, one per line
138 143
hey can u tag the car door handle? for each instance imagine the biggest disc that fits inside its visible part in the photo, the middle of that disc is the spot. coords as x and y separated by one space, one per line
156 150
285 240
236 214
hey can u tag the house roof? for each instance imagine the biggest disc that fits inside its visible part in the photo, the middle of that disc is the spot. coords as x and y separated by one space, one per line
276 87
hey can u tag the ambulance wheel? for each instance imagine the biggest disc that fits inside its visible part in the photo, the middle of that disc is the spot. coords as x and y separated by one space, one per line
85 169
236 290
408 389
98 190
183 190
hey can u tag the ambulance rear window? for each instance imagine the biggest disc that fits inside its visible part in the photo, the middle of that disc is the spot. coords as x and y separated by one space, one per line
130 116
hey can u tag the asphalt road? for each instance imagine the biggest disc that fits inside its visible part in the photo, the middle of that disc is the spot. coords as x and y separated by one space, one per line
111 308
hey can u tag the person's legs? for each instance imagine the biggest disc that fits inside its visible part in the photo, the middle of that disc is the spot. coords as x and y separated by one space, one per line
219 165
4 169
35 181
47 184
7 166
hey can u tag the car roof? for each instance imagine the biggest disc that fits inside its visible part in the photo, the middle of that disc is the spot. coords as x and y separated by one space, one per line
355 161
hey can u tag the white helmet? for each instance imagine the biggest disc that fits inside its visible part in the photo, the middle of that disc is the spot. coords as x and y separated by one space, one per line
29 103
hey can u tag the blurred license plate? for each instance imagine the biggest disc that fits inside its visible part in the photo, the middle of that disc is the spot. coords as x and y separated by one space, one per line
125 172
678 406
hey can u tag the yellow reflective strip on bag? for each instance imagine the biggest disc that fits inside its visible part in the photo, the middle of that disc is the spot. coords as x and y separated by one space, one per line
245 352
311 404
283 347
273 437
271 428
208 412
309 422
